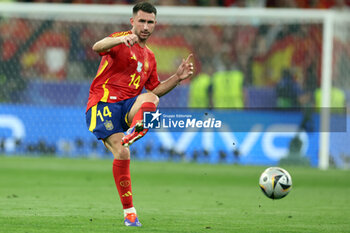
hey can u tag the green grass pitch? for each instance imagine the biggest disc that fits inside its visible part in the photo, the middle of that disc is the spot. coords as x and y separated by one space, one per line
79 195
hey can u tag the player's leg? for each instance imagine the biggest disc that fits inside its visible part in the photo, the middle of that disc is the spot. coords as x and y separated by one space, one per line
146 102
107 122
121 173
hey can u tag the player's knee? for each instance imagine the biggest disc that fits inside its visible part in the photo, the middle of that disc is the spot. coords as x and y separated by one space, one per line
150 97
118 151
122 153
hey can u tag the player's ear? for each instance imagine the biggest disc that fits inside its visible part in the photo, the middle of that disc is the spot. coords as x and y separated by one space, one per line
132 21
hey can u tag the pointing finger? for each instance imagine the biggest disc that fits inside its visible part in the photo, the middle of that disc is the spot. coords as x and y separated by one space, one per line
189 57
182 63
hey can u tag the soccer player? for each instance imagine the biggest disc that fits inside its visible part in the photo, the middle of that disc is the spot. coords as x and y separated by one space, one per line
116 104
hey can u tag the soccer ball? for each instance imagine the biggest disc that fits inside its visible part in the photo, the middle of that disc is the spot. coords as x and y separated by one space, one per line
275 182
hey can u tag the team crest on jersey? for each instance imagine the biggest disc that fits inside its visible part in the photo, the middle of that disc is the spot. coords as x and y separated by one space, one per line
109 125
139 66
146 66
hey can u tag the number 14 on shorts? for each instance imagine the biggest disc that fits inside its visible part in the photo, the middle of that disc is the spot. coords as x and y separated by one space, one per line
106 113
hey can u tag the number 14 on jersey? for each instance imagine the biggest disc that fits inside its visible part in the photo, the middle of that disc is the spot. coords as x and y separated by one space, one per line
135 81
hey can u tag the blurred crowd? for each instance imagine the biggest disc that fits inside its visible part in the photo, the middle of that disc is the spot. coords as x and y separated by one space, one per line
317 4
283 57
58 50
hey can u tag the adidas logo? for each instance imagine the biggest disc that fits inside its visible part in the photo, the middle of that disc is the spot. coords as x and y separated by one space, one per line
128 194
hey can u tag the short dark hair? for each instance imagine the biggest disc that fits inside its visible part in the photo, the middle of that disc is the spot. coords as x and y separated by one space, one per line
144 6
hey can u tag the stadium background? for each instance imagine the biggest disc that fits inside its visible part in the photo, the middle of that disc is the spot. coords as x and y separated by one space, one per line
47 66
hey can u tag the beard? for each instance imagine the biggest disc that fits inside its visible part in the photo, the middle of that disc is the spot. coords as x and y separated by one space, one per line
143 36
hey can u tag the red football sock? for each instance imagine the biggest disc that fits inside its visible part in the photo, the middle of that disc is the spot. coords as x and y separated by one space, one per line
145 107
121 173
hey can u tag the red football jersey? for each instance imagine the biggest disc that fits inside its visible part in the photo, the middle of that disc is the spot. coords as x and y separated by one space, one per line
123 72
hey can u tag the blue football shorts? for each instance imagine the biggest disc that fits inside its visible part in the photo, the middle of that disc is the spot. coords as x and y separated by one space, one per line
105 119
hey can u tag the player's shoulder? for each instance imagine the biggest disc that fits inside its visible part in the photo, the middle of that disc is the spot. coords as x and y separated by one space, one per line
119 34
149 51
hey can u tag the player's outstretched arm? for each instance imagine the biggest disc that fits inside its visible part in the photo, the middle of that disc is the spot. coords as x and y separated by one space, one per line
184 71
107 43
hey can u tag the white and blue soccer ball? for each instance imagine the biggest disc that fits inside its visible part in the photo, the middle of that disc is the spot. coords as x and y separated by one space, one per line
275 182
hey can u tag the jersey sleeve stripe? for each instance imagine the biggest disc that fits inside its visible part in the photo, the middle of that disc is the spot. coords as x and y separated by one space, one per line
119 34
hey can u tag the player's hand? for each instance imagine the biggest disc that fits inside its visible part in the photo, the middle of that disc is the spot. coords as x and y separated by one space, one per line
129 40
185 69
